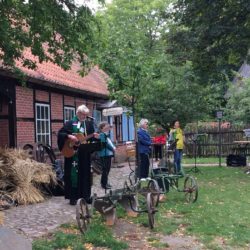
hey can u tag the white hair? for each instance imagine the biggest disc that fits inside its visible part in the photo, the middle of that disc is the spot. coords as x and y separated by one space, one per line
142 122
82 109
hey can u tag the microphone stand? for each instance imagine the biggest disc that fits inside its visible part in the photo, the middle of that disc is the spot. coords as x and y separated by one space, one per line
195 169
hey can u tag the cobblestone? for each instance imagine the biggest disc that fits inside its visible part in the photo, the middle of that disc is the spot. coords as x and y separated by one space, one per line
38 219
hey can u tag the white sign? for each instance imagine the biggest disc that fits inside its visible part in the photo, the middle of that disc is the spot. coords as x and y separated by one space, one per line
219 114
112 111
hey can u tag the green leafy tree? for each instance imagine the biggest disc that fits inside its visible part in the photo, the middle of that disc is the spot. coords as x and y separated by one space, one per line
129 47
54 30
144 77
238 106
178 95
214 35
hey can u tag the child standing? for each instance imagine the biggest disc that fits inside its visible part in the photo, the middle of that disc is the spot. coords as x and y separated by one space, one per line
106 153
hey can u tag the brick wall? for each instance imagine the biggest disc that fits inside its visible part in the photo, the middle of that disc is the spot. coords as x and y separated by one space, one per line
24 110
69 100
24 102
56 106
26 115
55 128
25 132
42 96
79 102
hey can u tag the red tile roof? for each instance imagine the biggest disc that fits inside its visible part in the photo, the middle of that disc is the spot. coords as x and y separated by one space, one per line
95 82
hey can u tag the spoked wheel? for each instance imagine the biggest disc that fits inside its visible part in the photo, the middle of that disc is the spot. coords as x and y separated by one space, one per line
154 189
151 210
190 189
132 178
82 215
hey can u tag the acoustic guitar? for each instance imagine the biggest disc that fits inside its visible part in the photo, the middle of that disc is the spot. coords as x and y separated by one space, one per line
70 148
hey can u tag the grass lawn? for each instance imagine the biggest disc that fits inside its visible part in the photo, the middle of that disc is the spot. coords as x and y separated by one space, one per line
203 160
219 219
68 237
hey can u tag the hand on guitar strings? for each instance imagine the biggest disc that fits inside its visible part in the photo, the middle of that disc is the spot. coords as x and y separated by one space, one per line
73 139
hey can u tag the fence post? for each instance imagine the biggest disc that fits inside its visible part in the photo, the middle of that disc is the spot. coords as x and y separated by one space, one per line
219 114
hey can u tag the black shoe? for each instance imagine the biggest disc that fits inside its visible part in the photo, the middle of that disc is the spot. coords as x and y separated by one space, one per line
72 202
108 186
89 200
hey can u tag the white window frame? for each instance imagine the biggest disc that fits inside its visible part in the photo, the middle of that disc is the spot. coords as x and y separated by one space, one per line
67 108
44 133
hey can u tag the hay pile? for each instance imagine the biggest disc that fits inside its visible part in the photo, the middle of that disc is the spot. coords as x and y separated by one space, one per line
22 177
1 218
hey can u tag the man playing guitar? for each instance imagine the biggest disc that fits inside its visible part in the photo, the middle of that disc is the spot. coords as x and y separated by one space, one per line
77 166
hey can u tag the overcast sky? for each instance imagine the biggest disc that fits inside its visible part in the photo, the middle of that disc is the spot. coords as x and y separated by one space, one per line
93 4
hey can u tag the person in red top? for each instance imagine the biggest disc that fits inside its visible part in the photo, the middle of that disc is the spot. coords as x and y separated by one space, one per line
159 141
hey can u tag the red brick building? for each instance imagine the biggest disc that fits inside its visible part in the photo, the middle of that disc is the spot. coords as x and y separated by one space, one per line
32 113
36 111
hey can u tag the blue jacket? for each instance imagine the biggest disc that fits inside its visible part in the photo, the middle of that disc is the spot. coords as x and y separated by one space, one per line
144 141
108 149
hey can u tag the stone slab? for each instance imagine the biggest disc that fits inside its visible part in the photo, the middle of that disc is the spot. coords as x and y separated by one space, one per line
12 241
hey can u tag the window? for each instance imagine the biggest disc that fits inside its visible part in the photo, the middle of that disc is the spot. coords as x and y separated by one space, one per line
43 123
69 113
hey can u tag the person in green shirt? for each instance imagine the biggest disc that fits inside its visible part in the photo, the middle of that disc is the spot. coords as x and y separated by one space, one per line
177 135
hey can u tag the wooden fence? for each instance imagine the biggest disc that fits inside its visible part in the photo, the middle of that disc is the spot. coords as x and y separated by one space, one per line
208 142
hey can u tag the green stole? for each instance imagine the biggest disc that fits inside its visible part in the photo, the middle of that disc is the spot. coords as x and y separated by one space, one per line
75 160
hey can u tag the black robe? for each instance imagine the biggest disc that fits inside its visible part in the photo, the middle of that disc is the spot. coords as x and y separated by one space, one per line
83 189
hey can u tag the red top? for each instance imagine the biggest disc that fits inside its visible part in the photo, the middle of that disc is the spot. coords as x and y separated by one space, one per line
160 139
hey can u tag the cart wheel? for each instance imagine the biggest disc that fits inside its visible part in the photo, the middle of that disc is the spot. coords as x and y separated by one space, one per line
151 210
154 189
190 189
132 178
82 215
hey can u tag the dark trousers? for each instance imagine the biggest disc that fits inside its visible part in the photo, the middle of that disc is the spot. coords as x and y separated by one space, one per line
144 166
84 176
158 151
106 165
83 188
177 160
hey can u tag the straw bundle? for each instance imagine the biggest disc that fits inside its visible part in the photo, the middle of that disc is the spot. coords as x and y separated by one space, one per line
1 218
22 177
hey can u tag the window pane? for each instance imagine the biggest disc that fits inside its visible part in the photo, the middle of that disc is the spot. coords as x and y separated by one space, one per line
43 123
69 113
47 127
38 127
46 113
38 110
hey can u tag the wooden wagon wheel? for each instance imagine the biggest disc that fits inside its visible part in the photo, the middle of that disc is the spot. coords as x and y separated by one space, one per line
154 189
82 215
151 210
190 189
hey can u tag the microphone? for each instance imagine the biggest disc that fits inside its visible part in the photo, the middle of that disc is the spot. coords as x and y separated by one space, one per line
91 117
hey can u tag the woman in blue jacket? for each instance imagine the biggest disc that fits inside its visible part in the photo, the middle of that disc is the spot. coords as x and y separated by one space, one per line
144 148
106 153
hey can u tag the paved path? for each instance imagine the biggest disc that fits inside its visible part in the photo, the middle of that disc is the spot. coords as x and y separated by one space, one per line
38 219
12 241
